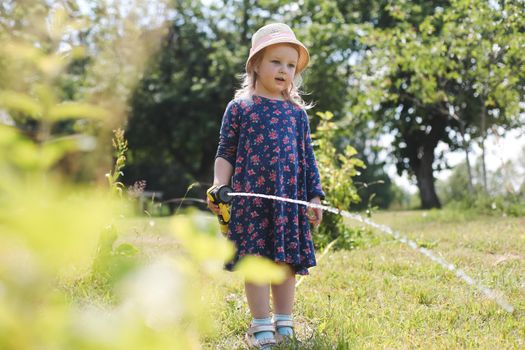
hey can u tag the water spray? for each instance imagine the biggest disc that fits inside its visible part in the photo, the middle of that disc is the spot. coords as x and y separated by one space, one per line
489 293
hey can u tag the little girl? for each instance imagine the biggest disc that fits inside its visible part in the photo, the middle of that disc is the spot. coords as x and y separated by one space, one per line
265 147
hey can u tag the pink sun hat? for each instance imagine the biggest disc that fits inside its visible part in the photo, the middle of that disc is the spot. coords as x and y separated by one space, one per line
278 33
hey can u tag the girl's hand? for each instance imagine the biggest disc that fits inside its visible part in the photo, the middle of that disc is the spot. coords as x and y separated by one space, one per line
315 215
213 207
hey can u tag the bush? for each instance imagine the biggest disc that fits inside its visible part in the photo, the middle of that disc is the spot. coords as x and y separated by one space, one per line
511 205
501 197
336 176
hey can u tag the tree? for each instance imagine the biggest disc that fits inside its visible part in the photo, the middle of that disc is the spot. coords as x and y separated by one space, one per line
427 83
177 107
484 39
103 49
338 34
393 63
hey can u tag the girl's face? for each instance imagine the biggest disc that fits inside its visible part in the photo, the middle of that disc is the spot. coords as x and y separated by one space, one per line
276 70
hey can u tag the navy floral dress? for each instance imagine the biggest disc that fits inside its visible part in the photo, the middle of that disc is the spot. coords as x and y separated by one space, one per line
268 143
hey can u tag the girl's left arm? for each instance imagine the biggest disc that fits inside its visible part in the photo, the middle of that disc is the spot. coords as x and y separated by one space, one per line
315 191
314 188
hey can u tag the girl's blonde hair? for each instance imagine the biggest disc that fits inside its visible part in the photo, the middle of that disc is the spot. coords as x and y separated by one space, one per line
250 78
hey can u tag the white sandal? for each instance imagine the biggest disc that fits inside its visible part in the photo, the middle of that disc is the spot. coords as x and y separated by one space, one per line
265 343
283 323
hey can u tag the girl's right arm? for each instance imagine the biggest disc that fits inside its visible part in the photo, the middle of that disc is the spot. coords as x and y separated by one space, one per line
227 150
223 171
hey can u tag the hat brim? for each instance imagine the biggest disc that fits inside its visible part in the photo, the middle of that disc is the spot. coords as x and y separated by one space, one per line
304 55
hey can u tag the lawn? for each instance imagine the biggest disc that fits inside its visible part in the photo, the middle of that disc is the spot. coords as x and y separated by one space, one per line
384 294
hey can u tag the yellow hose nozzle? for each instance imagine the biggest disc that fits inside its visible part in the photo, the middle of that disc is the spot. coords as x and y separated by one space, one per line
219 194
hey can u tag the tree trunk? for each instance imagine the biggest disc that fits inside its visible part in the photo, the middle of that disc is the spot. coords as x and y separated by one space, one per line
420 152
245 17
470 185
467 156
483 137
425 179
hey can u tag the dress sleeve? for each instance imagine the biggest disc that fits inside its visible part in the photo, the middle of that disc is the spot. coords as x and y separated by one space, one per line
229 135
314 188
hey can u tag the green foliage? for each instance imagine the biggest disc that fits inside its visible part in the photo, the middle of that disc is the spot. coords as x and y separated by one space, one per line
337 171
509 205
445 72
48 229
120 145
49 224
374 185
178 105
404 200
504 196
111 264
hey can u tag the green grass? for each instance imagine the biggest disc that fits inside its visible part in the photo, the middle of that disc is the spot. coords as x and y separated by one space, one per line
385 295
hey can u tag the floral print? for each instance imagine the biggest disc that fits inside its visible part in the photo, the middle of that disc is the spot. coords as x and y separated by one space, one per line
268 143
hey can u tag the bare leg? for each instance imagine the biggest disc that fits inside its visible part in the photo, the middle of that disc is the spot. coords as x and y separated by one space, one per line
258 299
284 295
